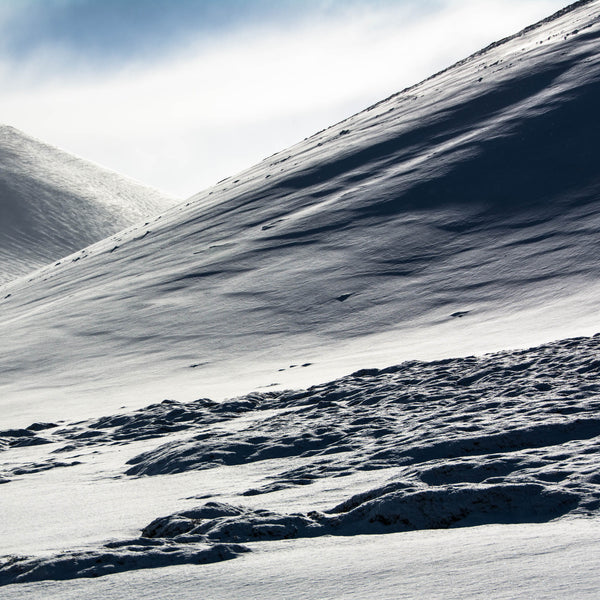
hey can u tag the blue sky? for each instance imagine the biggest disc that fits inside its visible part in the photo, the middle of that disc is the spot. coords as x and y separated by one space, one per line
180 93
105 29
104 33
108 30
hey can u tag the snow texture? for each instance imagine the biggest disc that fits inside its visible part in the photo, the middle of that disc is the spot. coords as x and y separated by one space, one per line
511 437
458 216
138 554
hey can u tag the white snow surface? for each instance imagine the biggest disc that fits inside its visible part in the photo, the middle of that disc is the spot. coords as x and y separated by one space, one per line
506 438
457 217
53 203
537 562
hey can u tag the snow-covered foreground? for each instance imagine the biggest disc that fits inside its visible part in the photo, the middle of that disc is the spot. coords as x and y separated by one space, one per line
457 217
512 437
53 203
499 562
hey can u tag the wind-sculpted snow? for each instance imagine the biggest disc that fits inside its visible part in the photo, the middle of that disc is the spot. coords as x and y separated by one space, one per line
385 510
520 417
218 529
464 209
113 558
53 204
502 400
527 418
156 420
510 437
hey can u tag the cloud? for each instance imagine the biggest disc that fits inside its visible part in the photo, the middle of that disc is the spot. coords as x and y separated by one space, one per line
215 104
105 32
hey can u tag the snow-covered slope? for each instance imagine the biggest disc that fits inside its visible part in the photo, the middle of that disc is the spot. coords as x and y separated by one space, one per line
52 203
458 216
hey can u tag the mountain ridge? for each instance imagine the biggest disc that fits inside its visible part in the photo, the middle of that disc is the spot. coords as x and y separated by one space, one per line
493 45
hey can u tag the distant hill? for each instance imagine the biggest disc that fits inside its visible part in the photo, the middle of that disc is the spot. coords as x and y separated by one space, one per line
53 203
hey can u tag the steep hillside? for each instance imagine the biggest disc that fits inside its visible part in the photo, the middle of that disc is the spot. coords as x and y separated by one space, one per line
458 216
52 203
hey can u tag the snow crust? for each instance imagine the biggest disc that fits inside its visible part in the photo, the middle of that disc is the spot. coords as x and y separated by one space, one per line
512 437
53 204
500 562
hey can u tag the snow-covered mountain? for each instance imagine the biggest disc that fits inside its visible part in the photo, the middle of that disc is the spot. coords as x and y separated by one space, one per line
52 203
458 216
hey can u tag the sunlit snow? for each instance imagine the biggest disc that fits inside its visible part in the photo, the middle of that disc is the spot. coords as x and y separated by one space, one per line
426 270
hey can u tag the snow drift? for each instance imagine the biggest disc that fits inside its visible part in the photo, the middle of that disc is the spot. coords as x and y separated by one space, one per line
512 437
53 204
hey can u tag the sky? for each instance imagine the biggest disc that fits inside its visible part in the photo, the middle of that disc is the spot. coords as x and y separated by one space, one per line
179 94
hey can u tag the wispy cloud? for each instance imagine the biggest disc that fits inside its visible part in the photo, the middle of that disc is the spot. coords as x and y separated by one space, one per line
105 32
218 93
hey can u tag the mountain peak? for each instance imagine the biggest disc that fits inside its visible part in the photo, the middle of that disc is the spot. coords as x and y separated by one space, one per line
53 203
